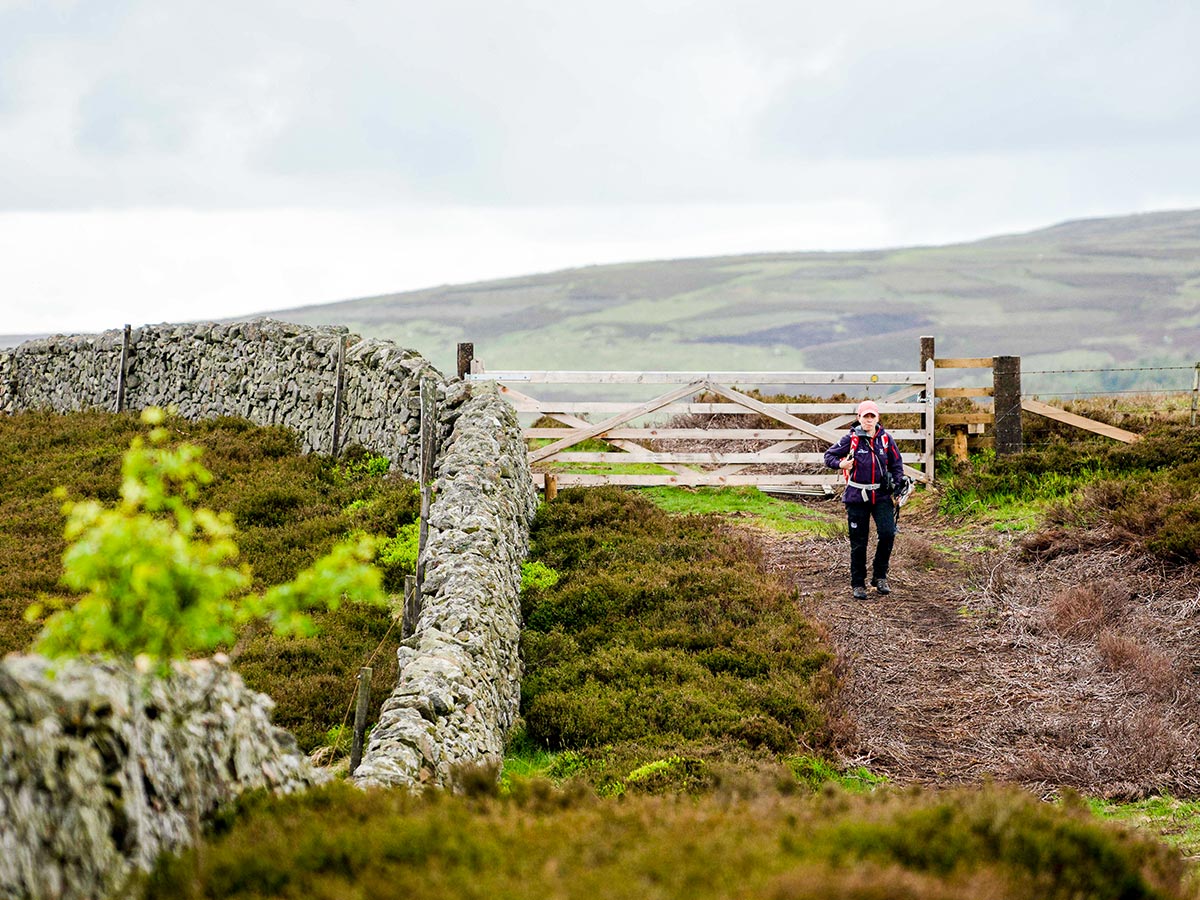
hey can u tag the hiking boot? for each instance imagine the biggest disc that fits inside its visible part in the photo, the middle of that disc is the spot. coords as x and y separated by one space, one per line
881 585
859 593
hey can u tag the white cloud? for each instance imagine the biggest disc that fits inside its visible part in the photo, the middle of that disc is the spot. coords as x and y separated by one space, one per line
533 103
240 156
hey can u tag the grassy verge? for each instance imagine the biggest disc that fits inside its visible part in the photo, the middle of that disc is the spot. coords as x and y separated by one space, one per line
1177 822
1146 493
748 504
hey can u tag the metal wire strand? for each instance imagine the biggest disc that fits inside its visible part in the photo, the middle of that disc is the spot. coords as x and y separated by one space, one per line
1130 369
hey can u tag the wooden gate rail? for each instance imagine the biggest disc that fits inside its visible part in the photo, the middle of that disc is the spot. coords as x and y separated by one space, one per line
913 394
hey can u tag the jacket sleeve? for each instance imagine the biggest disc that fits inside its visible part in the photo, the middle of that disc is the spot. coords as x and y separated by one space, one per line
835 454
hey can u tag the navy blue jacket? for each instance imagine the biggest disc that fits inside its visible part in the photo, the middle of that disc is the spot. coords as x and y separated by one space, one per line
871 456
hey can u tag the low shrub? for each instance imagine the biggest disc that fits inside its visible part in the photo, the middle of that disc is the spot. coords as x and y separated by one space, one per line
542 842
1150 668
1147 492
312 681
662 629
267 507
1086 609
397 556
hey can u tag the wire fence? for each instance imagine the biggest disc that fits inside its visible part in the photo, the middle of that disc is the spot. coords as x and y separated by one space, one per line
1151 382
1141 397
1115 369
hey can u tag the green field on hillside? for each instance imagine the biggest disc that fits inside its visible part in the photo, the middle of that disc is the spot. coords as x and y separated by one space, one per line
1092 295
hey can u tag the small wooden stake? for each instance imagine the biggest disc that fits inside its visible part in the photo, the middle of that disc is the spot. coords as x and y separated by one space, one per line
121 371
958 445
412 607
337 396
360 716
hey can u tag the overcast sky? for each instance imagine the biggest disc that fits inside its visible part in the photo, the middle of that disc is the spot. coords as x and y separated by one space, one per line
164 161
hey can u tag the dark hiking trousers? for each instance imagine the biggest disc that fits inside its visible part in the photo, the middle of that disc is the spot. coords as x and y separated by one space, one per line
858 516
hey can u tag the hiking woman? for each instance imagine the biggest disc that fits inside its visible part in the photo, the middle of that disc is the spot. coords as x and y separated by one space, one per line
871 461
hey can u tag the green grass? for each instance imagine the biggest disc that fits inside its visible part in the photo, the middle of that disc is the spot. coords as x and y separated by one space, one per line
525 759
815 772
1177 822
748 504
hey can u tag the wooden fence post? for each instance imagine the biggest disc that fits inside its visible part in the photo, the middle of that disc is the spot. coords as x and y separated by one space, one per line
121 371
926 351
360 716
466 353
928 417
1006 396
1195 391
337 396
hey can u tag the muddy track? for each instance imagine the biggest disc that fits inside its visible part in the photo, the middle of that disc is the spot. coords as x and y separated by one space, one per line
988 663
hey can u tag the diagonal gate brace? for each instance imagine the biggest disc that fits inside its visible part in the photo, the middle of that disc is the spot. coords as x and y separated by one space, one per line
619 419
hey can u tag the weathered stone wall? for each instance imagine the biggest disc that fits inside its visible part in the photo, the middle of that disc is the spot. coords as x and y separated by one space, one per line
460 674
266 371
102 767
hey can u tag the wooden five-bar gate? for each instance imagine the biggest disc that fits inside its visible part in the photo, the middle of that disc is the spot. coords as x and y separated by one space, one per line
687 434
648 432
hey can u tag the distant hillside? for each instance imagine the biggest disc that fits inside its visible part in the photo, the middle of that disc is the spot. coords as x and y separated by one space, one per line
1092 294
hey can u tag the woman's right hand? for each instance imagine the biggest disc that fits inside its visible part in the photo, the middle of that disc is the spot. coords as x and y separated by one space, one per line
846 464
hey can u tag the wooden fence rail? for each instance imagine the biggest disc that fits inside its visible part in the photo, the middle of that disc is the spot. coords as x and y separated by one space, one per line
774 452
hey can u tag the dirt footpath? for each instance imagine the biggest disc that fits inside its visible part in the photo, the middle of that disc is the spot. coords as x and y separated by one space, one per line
1051 666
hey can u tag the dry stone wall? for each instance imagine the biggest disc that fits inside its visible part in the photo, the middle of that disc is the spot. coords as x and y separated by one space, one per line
460 673
272 373
103 767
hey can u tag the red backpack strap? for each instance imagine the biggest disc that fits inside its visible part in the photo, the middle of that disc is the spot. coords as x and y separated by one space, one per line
853 450
889 447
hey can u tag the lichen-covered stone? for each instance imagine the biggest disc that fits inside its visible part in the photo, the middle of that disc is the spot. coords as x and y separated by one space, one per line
103 767
273 373
460 673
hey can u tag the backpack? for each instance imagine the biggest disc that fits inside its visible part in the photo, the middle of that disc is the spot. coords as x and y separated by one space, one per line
886 481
